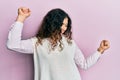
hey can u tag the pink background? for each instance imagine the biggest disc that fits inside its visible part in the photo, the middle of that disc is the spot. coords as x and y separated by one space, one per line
93 21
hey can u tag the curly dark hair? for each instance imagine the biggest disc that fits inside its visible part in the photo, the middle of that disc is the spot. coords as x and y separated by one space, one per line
51 28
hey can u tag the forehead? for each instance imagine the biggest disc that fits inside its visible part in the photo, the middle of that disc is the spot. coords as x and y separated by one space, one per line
65 20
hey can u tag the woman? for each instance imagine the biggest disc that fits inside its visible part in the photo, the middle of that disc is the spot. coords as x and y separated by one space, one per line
56 56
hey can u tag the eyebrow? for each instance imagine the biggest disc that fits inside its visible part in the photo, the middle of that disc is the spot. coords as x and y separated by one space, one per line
65 24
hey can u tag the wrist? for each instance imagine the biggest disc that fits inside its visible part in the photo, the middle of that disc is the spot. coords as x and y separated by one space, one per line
101 50
20 18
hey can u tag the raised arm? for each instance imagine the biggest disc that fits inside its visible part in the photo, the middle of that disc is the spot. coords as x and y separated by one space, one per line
14 41
91 60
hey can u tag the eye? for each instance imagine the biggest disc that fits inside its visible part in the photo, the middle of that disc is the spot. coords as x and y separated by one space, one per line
64 24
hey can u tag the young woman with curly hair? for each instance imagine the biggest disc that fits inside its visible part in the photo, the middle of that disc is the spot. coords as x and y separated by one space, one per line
56 55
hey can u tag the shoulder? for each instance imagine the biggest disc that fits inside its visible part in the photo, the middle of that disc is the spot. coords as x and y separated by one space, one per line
73 42
34 40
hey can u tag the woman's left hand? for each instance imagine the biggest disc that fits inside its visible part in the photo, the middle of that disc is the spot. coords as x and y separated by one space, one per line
104 45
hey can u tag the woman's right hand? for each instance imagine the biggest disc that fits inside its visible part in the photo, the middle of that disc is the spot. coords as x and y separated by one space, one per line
23 13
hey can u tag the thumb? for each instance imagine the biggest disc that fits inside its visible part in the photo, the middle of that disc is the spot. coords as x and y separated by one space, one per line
20 11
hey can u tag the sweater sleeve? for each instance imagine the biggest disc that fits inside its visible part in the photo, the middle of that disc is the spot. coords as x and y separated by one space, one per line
88 62
14 41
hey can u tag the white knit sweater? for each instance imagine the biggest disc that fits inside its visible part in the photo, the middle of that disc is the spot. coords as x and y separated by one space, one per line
51 65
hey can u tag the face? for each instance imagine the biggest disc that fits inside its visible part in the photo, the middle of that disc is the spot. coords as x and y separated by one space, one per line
64 25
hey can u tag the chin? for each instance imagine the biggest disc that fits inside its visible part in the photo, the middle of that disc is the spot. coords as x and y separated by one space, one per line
63 32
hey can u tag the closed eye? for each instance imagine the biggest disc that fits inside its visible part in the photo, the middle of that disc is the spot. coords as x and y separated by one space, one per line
64 24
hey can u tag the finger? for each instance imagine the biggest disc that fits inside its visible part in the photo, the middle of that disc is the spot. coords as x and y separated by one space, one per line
20 11
107 45
29 10
26 10
104 42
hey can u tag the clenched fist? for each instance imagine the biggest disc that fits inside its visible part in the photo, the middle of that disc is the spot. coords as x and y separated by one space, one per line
23 13
104 45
